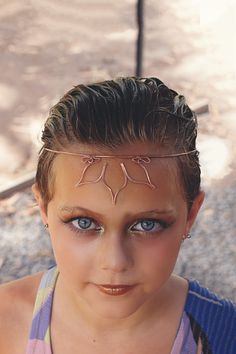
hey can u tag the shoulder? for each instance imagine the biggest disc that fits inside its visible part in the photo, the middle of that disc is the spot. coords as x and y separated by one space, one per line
17 300
214 316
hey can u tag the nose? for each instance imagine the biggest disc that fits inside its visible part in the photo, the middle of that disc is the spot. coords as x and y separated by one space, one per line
114 253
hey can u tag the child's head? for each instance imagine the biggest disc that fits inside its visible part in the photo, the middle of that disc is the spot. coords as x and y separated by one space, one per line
116 113
108 140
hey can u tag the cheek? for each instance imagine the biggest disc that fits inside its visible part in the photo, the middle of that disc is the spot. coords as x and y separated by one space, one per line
161 253
158 258
158 264
73 257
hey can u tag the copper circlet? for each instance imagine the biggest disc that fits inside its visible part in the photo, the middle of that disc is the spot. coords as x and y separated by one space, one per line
139 160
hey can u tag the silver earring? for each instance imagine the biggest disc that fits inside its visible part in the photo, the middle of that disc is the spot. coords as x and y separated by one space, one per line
46 226
186 236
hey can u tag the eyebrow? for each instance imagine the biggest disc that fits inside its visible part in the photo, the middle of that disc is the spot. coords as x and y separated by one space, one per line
72 209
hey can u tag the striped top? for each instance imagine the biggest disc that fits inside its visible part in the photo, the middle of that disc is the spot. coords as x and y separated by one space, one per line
207 326
40 340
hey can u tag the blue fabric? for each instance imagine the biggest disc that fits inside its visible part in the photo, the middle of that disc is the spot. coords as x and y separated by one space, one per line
213 319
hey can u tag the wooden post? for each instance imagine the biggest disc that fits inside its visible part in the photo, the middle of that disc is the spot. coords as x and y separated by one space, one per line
139 46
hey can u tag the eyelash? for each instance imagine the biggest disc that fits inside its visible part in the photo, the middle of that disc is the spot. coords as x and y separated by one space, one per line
163 225
69 223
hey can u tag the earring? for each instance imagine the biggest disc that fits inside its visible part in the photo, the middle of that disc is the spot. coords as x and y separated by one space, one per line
46 226
186 236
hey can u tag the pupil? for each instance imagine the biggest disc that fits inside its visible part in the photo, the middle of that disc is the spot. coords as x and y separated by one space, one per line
84 223
147 225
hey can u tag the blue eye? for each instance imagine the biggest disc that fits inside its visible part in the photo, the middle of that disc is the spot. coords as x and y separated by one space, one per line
148 225
84 224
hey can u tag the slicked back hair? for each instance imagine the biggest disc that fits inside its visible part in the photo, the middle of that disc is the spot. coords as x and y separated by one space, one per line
116 112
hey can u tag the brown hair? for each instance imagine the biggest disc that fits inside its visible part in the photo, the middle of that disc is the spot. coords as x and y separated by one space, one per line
115 112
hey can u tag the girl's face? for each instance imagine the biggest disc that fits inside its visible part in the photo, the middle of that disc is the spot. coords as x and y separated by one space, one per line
115 259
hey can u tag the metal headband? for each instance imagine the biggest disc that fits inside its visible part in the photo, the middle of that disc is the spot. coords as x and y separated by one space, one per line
139 160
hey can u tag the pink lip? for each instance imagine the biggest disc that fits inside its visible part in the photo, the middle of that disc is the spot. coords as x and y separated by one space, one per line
115 290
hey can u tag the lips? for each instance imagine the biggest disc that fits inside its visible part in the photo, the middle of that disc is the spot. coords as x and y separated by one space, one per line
115 290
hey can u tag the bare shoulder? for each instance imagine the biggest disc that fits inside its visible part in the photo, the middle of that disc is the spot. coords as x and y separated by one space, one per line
17 300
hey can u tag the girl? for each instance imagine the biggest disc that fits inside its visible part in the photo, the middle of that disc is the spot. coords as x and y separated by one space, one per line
118 187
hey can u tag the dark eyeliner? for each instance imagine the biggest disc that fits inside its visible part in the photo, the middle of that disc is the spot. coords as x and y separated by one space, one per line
69 224
152 233
164 224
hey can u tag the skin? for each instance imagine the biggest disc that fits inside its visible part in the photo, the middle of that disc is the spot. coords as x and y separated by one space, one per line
134 242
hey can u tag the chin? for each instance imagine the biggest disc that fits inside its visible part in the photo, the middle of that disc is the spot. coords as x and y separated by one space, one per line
115 307
116 311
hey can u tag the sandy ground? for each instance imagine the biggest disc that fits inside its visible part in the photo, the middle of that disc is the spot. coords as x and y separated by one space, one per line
49 46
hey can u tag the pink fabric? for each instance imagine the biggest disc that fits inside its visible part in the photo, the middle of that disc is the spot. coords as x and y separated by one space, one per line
184 341
37 346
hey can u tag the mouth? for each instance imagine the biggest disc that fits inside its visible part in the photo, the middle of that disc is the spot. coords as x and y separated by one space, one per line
115 290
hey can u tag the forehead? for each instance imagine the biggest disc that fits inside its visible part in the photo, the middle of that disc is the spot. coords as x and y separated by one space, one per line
117 182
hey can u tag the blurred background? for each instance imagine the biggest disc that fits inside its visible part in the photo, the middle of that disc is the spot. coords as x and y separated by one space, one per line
47 46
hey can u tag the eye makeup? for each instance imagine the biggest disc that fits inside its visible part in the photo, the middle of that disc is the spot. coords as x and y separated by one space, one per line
149 228
143 227
84 222
149 225
83 225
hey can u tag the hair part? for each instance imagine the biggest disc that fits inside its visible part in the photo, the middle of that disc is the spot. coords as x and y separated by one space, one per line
116 112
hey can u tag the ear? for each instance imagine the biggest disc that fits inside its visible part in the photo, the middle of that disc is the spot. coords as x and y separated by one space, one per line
40 202
192 214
